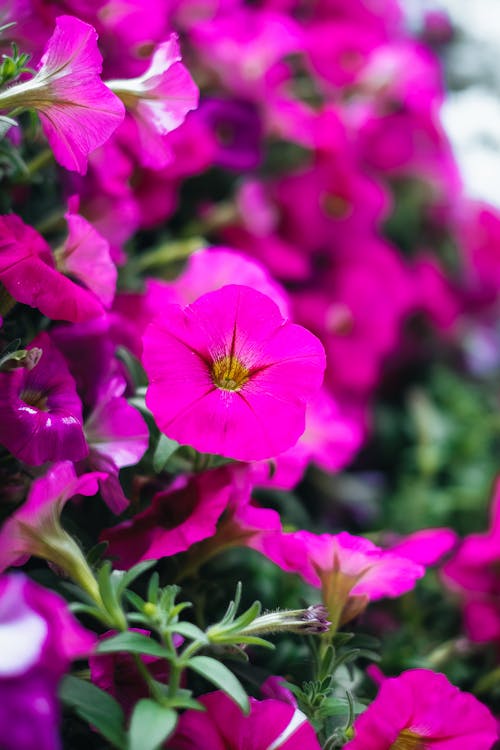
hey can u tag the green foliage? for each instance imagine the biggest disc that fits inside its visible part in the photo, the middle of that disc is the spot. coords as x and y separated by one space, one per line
95 706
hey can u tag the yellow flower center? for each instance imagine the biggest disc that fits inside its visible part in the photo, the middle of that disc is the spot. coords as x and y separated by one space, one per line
408 740
335 206
229 374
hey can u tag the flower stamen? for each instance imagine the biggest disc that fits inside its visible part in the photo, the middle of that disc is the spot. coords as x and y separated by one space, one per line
229 374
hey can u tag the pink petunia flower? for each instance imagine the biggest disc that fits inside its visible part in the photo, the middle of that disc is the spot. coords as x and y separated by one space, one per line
350 570
271 725
473 572
177 518
78 112
40 412
34 528
85 255
28 272
228 375
39 638
117 436
420 710
209 269
158 101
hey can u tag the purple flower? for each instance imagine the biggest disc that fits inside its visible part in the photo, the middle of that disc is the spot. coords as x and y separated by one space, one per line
237 132
40 412
38 640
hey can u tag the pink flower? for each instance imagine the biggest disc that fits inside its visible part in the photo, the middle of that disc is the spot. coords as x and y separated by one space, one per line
78 112
473 573
426 546
244 46
228 375
28 272
85 255
185 513
158 101
38 640
40 412
357 309
209 269
271 725
34 529
117 436
421 709
350 570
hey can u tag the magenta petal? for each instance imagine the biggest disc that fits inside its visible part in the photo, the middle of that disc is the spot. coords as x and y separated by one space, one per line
115 428
27 272
46 499
78 112
257 419
40 412
86 256
178 517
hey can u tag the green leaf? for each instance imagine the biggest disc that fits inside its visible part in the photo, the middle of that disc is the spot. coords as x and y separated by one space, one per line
95 706
107 588
96 553
153 588
135 600
150 725
134 573
134 643
164 449
220 676
188 630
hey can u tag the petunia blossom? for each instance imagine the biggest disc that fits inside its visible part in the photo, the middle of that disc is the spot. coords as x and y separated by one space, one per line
28 273
78 112
85 255
420 710
207 270
35 529
271 725
117 436
40 411
229 376
179 516
158 101
473 573
39 638
350 570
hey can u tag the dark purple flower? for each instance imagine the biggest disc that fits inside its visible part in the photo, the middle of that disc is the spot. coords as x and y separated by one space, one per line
40 412
237 132
38 640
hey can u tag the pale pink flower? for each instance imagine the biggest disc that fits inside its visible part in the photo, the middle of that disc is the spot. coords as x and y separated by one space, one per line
159 101
78 112
420 710
230 376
